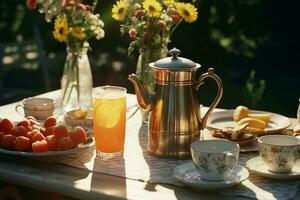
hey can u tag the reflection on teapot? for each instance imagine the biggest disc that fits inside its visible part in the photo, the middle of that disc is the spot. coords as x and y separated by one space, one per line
175 120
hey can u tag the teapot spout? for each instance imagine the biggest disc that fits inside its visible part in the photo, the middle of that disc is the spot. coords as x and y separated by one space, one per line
144 98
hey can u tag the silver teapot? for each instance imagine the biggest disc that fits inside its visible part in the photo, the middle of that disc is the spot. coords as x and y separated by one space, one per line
174 119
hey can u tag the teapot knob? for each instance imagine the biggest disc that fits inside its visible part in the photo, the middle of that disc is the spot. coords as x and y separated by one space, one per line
174 53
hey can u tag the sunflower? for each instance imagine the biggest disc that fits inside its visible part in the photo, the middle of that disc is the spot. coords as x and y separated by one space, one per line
152 7
78 32
187 11
61 29
119 10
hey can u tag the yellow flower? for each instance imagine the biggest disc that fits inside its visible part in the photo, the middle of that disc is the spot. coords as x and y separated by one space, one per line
152 7
78 32
119 10
61 29
187 11
168 2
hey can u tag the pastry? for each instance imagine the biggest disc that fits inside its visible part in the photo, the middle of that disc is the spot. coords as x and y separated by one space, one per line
297 130
236 134
254 131
238 131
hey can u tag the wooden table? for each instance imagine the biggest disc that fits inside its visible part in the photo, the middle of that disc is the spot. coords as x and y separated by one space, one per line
84 184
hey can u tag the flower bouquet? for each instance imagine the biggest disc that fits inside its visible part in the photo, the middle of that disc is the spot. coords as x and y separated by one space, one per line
150 24
74 24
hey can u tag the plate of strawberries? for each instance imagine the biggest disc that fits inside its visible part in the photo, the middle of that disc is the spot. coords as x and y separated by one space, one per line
33 138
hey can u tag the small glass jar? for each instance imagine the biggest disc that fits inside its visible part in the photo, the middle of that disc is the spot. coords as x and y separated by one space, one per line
298 113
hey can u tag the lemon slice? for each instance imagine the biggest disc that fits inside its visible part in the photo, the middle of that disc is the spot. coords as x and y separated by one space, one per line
80 114
240 112
253 123
107 115
264 117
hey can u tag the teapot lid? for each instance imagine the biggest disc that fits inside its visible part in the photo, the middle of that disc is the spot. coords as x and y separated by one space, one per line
174 62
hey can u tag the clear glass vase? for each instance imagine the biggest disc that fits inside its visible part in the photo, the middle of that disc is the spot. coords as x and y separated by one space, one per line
76 82
298 112
145 73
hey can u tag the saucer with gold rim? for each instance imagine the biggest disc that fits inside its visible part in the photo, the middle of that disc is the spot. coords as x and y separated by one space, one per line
188 174
257 165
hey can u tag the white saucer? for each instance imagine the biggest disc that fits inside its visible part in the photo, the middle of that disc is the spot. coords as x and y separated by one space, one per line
187 174
257 166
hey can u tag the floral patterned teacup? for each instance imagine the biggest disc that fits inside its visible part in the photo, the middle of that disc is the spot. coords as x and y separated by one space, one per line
214 159
38 107
279 152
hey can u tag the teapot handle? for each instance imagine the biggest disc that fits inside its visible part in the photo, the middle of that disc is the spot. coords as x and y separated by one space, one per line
211 74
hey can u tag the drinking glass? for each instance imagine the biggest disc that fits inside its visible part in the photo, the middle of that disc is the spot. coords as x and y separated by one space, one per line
109 107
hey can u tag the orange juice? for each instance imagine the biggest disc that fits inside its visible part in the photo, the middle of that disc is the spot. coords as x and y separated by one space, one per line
109 108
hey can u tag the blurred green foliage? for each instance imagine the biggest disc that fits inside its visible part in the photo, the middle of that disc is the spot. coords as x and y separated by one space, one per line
230 35
235 35
254 90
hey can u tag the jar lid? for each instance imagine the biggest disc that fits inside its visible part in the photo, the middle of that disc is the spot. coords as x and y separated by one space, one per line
175 63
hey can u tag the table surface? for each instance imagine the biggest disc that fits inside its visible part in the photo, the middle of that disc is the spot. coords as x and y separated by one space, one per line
84 184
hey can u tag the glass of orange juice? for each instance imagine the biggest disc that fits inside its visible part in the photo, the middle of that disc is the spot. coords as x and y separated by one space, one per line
109 107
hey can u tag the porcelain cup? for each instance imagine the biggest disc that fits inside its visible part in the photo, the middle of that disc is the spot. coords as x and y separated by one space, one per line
38 107
215 159
279 152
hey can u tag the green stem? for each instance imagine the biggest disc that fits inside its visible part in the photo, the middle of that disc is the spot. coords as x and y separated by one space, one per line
94 7
68 80
77 81
69 95
71 74
175 27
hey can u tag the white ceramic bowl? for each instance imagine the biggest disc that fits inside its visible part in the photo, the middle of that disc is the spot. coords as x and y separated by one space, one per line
72 120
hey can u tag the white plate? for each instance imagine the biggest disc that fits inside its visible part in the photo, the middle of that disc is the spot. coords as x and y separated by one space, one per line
223 119
187 174
257 166
49 153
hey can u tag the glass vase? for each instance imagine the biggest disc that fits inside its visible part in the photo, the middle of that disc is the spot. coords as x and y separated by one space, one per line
76 82
145 73
298 112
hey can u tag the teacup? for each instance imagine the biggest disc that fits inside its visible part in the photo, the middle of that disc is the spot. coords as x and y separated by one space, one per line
215 159
279 152
40 108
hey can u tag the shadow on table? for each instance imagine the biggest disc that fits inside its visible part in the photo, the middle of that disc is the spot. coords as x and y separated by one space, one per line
43 164
143 145
257 187
155 165
180 192
107 184
38 169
